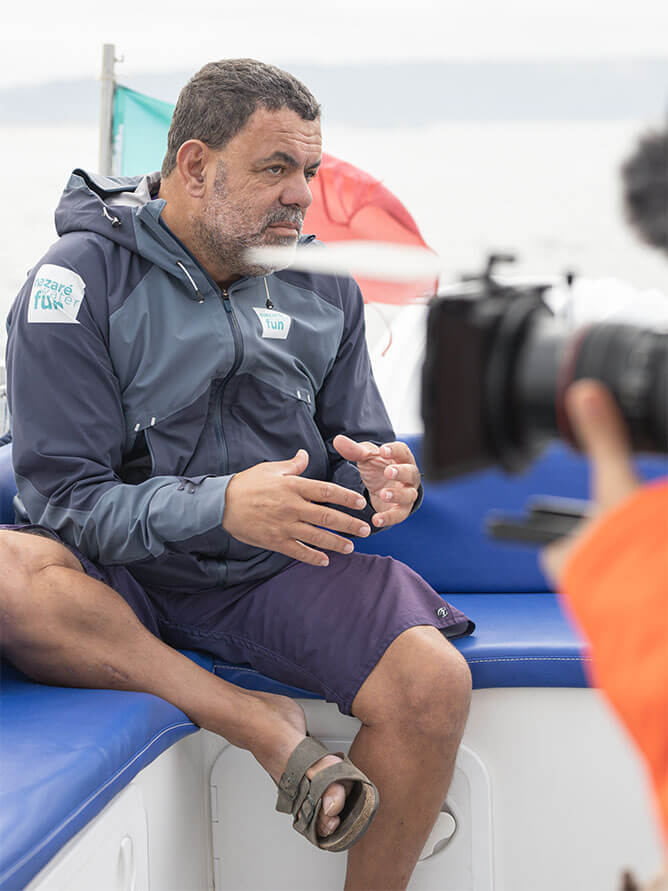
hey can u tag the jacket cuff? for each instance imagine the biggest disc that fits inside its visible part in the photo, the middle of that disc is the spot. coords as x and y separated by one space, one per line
418 500
209 504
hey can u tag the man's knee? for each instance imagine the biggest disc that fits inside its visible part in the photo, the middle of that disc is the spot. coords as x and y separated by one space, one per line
30 554
421 681
26 560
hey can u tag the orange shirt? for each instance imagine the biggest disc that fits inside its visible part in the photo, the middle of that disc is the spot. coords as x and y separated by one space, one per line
616 584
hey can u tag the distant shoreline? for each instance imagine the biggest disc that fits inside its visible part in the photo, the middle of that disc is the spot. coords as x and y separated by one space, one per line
407 94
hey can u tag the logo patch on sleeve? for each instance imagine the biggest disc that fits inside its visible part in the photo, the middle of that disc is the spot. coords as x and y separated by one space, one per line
56 296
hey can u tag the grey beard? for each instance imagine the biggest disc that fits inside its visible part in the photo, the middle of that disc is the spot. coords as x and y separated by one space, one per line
227 252
230 253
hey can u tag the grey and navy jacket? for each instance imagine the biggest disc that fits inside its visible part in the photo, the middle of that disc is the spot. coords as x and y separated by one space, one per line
137 388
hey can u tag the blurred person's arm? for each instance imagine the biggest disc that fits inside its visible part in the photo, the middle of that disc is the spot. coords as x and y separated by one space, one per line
614 570
614 577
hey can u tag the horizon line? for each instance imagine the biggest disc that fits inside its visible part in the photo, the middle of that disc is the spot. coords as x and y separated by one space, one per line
376 63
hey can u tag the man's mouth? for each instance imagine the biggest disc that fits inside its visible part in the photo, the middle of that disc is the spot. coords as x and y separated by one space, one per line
285 228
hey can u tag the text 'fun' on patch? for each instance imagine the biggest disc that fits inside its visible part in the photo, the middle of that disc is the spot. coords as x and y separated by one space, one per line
56 296
274 324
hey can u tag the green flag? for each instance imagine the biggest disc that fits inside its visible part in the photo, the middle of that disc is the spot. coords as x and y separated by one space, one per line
139 131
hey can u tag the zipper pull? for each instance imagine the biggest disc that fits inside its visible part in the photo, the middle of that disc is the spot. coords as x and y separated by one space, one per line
270 305
227 303
198 297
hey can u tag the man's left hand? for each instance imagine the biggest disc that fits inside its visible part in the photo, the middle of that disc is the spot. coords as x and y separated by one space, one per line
389 473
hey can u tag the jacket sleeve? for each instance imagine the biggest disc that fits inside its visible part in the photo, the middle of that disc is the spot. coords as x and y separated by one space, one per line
68 433
349 401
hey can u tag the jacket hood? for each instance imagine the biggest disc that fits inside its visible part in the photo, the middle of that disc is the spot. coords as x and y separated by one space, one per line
126 210
105 204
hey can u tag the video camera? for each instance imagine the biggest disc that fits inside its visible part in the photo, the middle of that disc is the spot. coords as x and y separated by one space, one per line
497 366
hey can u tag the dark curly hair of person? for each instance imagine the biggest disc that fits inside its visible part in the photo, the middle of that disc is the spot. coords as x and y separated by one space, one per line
645 181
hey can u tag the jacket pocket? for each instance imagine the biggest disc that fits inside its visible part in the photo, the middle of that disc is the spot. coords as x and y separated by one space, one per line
173 440
264 423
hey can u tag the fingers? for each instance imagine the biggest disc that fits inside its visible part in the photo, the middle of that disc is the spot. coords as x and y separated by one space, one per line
390 517
354 451
322 538
403 490
401 495
327 517
296 544
303 534
600 429
271 506
403 473
398 451
299 551
312 515
329 493
294 466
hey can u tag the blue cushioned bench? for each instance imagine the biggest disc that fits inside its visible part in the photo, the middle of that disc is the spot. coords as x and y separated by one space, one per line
65 753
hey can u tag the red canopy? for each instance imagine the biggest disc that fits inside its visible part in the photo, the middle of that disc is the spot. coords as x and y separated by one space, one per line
349 205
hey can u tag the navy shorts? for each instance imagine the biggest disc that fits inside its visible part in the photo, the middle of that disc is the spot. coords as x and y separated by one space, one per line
319 628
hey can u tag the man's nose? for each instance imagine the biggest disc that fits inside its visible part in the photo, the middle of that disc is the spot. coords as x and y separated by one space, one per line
297 191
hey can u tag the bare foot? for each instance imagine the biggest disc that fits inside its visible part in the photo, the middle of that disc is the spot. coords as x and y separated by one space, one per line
288 728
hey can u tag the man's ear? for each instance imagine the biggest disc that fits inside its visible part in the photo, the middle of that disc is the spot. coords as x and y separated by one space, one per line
191 163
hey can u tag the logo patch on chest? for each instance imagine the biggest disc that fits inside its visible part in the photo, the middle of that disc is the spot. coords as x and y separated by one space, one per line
56 296
275 325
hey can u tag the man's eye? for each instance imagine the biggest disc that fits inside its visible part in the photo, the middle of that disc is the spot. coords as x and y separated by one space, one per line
310 174
276 169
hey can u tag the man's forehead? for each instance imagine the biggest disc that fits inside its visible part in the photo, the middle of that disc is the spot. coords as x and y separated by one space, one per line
268 132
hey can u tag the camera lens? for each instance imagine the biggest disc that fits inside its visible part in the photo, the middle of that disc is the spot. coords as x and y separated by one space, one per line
497 367
631 362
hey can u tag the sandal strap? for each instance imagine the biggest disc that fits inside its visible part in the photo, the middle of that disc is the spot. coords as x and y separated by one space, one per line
309 803
335 773
301 797
305 810
305 754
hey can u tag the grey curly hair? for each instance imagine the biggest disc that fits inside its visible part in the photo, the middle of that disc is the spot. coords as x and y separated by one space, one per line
218 101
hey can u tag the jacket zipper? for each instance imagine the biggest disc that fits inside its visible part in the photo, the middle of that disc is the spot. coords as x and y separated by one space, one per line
163 238
238 356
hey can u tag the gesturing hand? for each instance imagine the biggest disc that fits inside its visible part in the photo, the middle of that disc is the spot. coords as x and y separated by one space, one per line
389 473
271 506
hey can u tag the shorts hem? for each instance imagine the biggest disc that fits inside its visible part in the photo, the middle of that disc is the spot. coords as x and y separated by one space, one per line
418 620
323 689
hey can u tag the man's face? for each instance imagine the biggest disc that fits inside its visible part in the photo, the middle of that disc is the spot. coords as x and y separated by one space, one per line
259 191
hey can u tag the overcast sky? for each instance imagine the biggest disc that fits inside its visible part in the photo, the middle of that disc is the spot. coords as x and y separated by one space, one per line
43 40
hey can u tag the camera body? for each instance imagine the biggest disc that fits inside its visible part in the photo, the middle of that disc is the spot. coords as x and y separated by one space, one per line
498 364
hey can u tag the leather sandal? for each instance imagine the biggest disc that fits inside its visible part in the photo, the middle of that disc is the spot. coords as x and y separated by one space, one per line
302 797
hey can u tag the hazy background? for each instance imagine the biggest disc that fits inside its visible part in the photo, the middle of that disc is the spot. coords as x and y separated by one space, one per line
44 41
500 126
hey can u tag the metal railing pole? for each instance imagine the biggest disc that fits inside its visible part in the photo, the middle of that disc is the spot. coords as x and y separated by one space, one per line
107 107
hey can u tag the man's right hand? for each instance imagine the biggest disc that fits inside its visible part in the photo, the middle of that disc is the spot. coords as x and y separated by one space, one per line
272 506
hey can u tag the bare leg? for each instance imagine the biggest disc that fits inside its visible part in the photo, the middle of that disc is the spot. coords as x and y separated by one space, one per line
61 627
413 707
